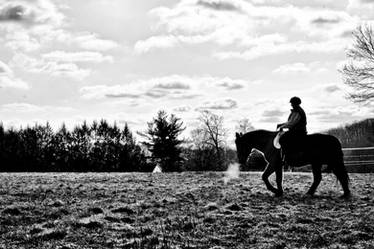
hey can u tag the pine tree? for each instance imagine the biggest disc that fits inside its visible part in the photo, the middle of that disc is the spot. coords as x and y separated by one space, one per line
163 142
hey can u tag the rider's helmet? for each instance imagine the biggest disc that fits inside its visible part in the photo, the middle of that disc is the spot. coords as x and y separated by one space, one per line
295 100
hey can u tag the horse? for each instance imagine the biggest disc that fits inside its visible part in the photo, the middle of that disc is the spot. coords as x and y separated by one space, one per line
318 149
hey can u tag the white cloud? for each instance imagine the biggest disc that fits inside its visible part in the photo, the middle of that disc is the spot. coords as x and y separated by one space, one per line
155 42
20 108
329 46
292 68
4 68
36 12
85 56
173 86
33 25
93 42
222 104
299 67
182 109
32 108
362 8
13 82
8 80
54 68
263 29
20 40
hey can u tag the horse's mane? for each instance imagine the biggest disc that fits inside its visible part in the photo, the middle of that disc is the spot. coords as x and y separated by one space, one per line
258 133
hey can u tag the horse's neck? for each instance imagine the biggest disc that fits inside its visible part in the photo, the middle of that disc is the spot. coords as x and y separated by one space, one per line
265 142
263 147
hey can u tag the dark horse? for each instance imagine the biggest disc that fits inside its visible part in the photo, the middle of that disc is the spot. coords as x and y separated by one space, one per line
319 149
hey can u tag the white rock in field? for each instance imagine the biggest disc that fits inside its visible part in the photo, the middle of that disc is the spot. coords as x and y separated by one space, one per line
157 169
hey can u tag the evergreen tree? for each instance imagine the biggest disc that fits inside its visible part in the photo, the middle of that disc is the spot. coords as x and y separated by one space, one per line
132 157
80 147
163 142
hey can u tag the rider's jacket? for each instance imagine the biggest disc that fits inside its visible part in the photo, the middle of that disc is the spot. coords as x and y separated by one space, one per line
297 120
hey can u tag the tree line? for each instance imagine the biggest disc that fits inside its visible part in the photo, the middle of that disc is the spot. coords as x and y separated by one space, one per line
104 147
357 134
95 147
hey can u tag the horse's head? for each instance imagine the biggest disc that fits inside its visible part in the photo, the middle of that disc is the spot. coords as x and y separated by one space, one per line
243 148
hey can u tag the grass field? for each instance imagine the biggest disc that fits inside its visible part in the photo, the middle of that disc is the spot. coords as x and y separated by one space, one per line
186 210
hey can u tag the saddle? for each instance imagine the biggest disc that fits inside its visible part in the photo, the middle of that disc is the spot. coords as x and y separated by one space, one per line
291 155
277 138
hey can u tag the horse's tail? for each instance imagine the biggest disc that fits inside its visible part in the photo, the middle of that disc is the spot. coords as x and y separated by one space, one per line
337 166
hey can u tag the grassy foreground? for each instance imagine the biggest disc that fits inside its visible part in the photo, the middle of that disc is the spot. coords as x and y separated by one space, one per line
186 210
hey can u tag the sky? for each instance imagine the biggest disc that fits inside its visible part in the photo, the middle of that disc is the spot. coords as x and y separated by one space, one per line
124 60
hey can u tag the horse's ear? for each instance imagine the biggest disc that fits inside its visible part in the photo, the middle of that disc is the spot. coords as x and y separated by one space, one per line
237 135
241 134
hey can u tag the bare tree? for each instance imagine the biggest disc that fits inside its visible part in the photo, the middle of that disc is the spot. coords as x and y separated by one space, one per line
358 73
244 126
211 132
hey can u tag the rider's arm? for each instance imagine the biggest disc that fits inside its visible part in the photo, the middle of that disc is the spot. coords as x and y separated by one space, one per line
293 120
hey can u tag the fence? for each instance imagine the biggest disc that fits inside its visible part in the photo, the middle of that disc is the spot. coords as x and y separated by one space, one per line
359 159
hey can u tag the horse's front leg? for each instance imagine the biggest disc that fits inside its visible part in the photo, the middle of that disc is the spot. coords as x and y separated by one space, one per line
279 178
265 177
317 177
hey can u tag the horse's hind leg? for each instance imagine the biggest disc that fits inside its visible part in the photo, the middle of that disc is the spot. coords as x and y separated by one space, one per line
341 173
317 177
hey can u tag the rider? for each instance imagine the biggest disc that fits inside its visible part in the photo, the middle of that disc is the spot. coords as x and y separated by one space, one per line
291 141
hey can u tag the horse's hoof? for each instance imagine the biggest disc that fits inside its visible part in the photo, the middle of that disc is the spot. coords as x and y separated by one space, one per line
278 194
346 196
308 194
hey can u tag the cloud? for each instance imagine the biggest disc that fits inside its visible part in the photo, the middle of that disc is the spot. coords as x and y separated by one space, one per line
182 109
171 87
332 88
250 30
300 67
93 42
144 46
156 93
36 12
273 113
85 56
339 114
362 8
292 68
218 5
20 108
330 46
105 91
8 79
329 90
4 68
30 25
224 104
32 108
54 68
272 120
24 114
122 95
272 116
13 13
324 20
231 85
21 40
70 70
